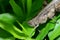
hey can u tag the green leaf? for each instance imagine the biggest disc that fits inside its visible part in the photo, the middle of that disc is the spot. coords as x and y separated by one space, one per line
44 31
13 30
6 17
49 0
6 24
17 9
37 4
4 35
56 32
29 6
28 29
29 39
3 5
58 38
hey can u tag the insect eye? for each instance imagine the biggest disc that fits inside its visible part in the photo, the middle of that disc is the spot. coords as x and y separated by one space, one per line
30 23
35 24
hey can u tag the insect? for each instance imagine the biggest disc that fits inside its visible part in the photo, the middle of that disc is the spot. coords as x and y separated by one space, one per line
47 12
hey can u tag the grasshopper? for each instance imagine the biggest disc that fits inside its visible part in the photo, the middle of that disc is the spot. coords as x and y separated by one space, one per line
47 12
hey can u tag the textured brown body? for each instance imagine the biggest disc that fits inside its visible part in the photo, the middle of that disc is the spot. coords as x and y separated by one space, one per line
47 12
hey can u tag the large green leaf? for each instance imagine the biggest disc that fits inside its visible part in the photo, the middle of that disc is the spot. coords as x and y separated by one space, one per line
6 17
17 10
29 7
4 35
27 30
6 24
56 32
58 38
45 31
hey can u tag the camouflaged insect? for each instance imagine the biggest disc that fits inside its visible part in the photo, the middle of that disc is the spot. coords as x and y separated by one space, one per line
47 12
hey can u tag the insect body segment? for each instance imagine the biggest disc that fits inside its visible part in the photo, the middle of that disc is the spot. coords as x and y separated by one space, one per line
34 22
47 12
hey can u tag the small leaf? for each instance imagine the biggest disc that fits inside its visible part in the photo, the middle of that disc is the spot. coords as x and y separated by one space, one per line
13 30
29 6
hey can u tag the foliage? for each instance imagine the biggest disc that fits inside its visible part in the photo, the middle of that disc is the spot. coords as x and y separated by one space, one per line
14 17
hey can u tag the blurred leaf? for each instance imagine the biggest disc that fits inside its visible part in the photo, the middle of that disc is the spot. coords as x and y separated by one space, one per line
49 1
6 24
21 26
29 6
6 17
56 32
5 35
13 30
45 31
24 6
37 5
58 38
29 30
17 9
29 39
